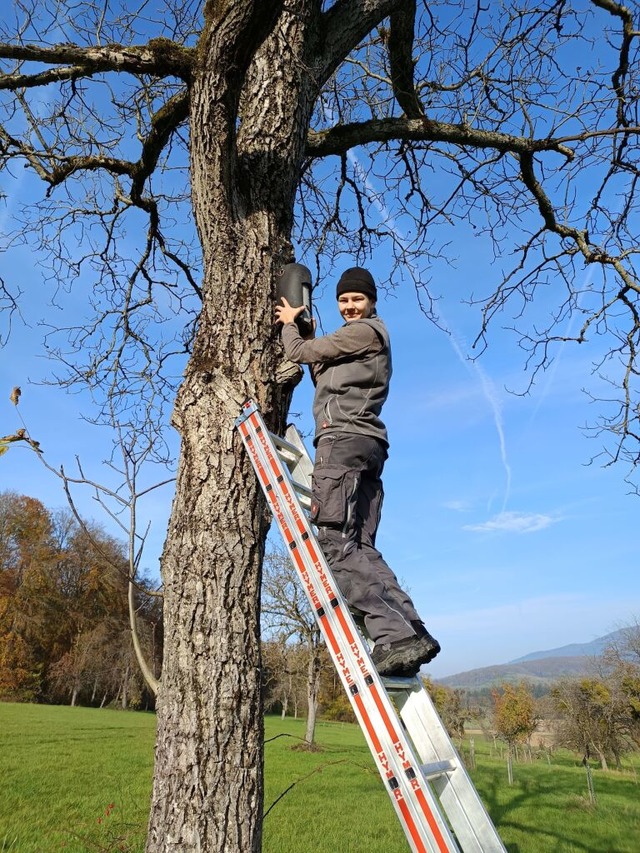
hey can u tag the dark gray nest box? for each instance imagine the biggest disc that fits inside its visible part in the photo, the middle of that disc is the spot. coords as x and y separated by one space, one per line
294 284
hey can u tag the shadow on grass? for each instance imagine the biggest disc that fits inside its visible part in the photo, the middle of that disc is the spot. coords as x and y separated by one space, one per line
551 800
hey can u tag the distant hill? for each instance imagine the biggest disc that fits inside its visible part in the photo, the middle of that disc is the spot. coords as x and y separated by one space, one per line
542 667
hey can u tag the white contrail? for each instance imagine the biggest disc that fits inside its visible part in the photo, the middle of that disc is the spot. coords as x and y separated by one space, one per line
492 397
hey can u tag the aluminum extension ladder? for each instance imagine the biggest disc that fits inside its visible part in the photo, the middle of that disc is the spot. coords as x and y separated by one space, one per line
437 805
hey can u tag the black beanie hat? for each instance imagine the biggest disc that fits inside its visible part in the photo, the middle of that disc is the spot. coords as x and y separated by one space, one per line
357 280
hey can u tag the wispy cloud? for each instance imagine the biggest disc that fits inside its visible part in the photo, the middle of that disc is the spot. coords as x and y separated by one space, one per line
458 505
514 522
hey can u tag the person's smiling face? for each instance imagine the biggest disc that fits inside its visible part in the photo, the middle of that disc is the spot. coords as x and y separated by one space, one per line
354 306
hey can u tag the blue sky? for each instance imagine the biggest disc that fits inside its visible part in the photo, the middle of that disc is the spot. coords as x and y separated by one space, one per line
508 540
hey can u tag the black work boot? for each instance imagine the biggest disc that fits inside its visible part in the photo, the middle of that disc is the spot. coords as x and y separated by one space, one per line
406 656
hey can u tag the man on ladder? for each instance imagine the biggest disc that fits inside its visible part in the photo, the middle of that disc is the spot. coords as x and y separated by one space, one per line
351 369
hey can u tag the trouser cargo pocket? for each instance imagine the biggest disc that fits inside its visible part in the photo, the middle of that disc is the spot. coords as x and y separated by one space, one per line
334 493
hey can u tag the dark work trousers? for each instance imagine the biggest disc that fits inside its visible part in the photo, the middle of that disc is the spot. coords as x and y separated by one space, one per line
346 506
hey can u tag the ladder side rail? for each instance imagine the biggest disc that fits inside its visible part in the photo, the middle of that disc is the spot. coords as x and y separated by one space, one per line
369 700
469 818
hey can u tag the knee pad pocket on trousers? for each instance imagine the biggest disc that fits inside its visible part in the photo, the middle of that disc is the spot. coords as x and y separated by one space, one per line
334 489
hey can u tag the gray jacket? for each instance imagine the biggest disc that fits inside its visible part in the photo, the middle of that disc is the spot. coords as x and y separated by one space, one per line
351 369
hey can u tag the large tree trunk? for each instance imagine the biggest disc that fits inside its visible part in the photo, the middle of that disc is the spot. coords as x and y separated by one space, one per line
208 774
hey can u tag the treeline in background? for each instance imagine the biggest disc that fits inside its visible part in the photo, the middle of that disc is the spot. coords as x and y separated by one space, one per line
66 638
65 634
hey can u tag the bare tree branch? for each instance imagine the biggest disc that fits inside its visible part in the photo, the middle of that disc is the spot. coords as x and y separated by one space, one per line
160 57
343 137
401 62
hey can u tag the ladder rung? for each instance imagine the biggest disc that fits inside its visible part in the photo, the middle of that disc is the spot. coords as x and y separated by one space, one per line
291 455
395 683
288 458
301 489
305 500
285 448
437 768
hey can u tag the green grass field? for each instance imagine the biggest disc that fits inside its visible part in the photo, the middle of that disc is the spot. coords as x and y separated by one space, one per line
78 780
